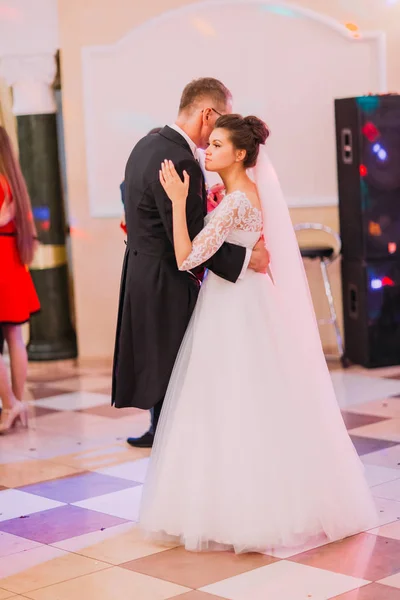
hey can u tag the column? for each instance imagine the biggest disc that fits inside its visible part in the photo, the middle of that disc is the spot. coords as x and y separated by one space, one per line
51 333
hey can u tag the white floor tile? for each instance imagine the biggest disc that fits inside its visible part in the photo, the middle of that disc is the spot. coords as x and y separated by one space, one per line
10 457
133 471
284 581
376 475
389 490
388 510
352 389
14 504
25 560
11 544
392 581
389 458
392 531
124 504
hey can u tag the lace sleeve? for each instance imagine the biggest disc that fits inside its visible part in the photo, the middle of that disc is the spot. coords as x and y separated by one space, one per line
210 239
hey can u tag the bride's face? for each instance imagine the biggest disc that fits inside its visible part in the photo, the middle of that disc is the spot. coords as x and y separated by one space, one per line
220 153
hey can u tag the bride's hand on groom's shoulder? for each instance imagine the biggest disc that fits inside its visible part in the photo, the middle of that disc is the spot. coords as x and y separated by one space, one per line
176 189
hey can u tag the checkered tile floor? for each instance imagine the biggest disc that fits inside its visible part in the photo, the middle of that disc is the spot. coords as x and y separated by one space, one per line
70 490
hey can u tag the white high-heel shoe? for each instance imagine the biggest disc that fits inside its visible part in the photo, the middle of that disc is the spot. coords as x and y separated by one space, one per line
11 416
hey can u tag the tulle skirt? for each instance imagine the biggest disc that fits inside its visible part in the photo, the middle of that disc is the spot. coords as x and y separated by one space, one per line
251 453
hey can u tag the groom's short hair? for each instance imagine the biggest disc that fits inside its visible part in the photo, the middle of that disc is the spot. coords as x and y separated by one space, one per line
205 87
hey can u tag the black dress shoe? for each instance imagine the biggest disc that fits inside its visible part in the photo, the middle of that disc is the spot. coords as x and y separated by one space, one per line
146 441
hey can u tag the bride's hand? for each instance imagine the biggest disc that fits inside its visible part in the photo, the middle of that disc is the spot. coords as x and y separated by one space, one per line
175 188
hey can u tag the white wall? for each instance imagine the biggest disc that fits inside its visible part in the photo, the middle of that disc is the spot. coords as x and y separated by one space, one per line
28 27
288 71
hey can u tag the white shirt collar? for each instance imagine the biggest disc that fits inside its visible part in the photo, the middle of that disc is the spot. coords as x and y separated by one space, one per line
185 136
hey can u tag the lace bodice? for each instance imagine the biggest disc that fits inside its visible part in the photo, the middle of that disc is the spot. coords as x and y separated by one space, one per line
235 220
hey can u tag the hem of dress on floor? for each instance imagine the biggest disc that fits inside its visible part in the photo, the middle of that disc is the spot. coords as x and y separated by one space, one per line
164 538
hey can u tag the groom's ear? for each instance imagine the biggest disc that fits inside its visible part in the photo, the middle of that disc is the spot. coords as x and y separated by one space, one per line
207 112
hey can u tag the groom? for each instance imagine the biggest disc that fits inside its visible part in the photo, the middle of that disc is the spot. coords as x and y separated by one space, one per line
156 299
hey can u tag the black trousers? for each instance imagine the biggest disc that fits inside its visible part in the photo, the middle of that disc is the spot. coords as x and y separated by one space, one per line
155 415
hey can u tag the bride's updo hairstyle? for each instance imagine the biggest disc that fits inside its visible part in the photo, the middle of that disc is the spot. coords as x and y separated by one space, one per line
245 133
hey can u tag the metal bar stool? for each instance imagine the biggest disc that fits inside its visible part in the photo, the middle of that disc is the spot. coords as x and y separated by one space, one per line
326 256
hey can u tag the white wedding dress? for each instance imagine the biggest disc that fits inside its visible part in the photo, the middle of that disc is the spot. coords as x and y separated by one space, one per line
243 458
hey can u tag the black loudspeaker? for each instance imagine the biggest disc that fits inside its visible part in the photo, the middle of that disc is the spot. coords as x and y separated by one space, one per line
368 159
371 303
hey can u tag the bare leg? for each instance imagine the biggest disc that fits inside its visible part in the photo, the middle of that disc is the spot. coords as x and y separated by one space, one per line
18 358
6 394
13 410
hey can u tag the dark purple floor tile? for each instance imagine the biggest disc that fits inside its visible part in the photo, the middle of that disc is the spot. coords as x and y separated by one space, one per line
366 556
40 392
365 445
78 487
373 591
40 411
59 524
50 377
353 420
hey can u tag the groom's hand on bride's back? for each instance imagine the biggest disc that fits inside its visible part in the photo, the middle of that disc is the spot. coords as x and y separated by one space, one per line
259 260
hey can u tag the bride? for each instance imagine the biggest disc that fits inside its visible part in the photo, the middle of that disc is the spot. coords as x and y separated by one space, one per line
251 451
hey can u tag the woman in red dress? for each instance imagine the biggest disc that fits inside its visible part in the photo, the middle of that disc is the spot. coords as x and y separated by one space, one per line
18 299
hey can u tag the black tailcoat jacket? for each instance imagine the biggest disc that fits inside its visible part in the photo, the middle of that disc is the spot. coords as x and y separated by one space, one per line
156 299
